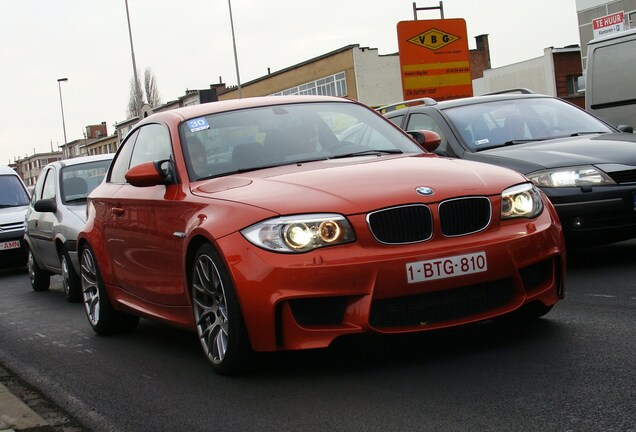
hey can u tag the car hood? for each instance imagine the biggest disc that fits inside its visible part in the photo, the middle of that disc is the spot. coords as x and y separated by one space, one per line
11 215
359 185
610 148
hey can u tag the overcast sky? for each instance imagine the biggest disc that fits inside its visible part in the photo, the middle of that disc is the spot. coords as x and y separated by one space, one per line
188 45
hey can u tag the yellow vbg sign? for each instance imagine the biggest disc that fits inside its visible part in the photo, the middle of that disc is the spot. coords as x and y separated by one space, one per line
434 59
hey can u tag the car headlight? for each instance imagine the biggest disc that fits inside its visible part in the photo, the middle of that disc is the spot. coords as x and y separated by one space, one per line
570 177
521 201
300 233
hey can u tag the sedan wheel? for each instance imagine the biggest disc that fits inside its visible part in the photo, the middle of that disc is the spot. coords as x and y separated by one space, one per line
217 314
100 313
70 280
40 279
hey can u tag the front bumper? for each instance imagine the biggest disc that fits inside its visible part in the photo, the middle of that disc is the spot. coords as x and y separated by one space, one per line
298 301
13 257
595 215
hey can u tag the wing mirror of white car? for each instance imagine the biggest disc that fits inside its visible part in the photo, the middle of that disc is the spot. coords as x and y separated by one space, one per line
45 206
427 139
625 128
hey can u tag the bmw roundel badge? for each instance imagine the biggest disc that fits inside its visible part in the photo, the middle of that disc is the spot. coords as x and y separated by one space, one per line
424 190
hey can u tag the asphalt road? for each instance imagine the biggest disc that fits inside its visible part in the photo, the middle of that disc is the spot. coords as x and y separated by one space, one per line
574 370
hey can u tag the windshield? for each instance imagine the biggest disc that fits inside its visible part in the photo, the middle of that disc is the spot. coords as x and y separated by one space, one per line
79 180
262 137
12 192
493 124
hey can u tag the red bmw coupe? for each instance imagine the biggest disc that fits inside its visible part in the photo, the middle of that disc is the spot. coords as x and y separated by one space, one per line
257 225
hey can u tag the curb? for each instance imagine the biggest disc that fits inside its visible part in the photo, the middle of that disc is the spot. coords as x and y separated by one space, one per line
16 416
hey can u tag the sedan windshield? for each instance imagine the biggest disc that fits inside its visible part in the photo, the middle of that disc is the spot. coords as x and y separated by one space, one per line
12 193
494 124
245 140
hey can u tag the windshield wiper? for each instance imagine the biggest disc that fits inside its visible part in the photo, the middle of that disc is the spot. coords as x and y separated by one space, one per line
521 141
75 200
368 153
586 133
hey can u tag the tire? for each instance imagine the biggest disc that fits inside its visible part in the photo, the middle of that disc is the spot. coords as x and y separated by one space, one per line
217 315
102 317
40 279
70 280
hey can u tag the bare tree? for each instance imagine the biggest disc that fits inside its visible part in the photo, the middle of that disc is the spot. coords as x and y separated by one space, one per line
136 99
150 85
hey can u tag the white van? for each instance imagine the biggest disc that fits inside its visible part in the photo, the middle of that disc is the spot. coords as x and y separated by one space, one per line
610 83
14 201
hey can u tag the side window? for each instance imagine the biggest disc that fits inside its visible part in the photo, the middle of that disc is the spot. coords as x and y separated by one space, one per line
122 160
397 120
421 121
48 190
37 191
153 144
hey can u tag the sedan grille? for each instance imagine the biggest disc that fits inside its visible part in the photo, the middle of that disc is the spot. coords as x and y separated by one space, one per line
619 177
12 226
436 307
414 223
464 215
399 225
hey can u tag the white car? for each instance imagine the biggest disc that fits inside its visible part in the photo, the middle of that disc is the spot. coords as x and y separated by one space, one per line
14 200
56 214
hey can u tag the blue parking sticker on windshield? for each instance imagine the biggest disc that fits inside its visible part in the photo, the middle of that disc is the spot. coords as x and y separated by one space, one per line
198 124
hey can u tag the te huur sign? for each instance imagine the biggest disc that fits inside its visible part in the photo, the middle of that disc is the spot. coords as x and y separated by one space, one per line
434 59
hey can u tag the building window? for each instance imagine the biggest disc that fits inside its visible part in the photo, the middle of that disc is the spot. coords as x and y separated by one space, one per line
334 85
575 85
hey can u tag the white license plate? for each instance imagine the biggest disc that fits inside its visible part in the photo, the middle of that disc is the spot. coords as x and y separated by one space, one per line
14 244
441 268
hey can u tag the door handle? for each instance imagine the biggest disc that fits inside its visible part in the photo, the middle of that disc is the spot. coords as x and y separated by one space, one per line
117 211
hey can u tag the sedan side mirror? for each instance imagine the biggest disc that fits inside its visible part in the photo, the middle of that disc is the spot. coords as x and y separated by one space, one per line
45 206
147 174
625 128
427 139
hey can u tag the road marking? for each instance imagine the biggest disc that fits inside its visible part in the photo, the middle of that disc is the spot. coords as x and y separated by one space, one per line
600 295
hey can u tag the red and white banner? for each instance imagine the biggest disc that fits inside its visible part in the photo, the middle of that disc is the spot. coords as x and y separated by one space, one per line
608 24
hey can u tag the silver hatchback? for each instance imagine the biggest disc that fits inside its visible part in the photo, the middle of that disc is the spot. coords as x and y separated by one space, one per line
14 200
56 215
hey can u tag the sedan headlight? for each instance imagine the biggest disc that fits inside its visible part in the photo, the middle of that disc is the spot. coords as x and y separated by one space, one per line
300 233
571 177
521 201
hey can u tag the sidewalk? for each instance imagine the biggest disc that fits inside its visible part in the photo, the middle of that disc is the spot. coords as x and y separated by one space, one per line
16 416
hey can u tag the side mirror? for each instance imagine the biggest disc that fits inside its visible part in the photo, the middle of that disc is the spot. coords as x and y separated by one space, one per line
625 128
147 174
427 139
45 206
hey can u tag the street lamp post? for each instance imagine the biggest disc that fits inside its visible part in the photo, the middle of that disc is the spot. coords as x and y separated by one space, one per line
238 77
59 86
134 65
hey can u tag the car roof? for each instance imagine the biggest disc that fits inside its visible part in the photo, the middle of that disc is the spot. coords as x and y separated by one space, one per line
82 159
236 104
473 100
4 170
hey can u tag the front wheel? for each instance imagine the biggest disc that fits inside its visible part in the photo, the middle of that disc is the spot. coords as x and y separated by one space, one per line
70 280
217 314
40 279
101 315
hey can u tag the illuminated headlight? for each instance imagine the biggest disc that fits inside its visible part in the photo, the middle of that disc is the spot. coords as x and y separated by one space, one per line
300 233
569 177
521 201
